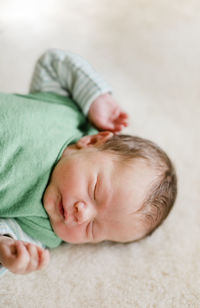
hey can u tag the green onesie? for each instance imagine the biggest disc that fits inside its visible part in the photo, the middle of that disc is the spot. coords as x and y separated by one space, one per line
34 131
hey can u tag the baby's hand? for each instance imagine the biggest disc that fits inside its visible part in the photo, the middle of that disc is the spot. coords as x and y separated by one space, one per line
106 114
21 257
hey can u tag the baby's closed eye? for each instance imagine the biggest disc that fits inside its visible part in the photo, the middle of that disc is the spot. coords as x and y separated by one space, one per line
94 189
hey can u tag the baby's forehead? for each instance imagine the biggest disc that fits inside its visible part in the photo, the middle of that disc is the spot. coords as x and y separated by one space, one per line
133 184
137 168
128 228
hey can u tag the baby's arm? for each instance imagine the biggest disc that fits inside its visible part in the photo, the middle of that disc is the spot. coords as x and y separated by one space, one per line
16 247
66 73
20 257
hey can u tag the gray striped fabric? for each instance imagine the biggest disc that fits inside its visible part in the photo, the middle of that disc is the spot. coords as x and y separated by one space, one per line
68 74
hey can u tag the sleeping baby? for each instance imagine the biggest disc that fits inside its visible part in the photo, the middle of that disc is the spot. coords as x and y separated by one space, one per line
67 174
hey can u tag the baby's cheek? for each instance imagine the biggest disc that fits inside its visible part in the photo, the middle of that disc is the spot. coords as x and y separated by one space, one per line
73 235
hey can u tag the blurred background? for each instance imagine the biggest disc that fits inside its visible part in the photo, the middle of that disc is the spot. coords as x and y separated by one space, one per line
149 52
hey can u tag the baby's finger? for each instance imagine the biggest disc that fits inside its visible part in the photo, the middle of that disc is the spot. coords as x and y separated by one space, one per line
44 258
8 254
109 125
21 259
121 121
123 115
120 116
34 258
124 123
117 128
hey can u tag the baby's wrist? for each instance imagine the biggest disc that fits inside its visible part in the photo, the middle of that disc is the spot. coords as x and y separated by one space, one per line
3 237
96 104
101 97
104 96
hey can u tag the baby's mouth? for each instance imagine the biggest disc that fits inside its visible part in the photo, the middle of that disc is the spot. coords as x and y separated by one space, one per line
61 209
63 212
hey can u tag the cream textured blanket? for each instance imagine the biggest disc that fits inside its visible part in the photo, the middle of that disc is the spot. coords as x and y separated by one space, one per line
148 50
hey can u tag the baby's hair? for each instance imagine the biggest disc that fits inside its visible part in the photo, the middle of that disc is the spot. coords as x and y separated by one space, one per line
162 194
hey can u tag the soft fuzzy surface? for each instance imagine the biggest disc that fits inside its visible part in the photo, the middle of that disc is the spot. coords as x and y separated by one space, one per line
149 52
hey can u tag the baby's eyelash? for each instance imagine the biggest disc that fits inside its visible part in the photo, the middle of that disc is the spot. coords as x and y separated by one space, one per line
95 189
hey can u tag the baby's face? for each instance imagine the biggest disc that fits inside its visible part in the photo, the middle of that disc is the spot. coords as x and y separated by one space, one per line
92 197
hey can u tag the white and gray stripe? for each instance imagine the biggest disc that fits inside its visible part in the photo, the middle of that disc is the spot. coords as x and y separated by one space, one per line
68 74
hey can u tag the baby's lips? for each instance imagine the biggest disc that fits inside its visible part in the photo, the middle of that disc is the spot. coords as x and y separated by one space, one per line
64 213
61 209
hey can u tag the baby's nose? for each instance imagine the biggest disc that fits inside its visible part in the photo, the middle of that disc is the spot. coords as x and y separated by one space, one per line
83 212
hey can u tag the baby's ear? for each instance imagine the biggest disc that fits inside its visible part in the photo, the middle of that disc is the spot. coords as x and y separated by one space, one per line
94 140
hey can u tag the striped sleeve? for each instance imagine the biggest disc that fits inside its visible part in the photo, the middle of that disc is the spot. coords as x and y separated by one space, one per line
11 228
66 73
